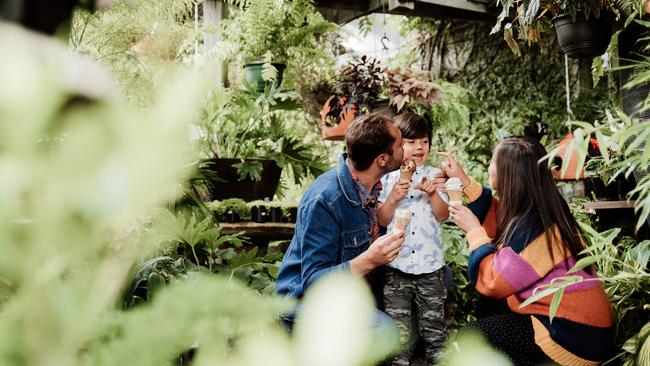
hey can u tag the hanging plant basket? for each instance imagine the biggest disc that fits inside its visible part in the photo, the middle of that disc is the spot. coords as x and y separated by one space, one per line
583 37
254 74
336 116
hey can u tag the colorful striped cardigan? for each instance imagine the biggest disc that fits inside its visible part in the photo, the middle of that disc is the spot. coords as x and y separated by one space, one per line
582 330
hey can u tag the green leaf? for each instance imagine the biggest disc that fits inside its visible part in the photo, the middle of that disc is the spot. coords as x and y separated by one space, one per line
155 283
603 143
547 290
640 253
531 12
249 169
555 303
269 72
582 263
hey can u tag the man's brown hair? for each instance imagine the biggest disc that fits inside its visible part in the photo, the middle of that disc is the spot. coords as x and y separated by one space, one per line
367 138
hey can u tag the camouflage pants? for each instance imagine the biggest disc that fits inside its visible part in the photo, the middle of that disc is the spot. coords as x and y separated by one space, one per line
418 299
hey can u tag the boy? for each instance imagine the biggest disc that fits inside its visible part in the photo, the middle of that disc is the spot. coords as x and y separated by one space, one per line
416 275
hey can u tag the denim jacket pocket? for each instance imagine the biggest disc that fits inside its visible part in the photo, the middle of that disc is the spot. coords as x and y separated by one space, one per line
355 242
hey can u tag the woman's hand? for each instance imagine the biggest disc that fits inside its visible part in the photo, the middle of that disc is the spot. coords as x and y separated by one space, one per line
453 169
463 217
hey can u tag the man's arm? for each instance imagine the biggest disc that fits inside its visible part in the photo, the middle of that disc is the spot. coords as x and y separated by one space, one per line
321 246
320 242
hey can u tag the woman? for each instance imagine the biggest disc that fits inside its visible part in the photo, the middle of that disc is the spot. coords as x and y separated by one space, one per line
522 240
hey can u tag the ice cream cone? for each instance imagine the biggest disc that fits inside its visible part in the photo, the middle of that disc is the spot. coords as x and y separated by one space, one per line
407 169
402 219
454 190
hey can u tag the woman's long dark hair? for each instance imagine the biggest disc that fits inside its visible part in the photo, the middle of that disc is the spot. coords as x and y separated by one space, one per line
527 192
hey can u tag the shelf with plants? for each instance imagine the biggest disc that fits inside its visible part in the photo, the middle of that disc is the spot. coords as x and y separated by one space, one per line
260 211
273 211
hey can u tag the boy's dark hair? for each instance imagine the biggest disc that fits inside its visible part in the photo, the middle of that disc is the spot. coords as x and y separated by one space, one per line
413 126
367 138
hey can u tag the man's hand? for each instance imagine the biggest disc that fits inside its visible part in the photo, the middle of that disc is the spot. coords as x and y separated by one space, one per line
382 251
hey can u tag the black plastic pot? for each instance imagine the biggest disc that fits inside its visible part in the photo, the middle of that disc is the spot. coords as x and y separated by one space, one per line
275 214
254 74
230 216
259 214
614 191
292 215
583 37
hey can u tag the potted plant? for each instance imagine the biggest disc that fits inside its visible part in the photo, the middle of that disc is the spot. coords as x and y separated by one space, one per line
583 27
267 35
272 211
230 210
408 90
246 140
260 211
292 214
355 93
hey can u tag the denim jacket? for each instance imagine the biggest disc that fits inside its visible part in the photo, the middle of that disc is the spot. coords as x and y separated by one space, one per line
332 228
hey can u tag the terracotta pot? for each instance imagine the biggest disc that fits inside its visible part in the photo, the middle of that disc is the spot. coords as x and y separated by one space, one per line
337 132
570 173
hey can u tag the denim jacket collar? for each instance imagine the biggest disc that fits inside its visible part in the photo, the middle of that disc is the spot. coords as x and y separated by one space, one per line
346 182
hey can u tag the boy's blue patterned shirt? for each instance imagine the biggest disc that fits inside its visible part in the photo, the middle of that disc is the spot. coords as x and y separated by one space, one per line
422 251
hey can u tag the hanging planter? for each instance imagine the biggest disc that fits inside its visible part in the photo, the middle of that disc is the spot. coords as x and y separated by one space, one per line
583 37
336 116
355 93
254 71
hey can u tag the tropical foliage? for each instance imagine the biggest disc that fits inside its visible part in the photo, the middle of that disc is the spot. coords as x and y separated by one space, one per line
289 32
137 40
111 257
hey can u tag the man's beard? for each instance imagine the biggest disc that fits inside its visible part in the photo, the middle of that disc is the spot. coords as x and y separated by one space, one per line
392 164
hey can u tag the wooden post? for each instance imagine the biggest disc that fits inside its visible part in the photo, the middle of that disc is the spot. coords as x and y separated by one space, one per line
213 12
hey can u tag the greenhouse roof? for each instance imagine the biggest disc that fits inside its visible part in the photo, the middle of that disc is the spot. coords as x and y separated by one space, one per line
342 11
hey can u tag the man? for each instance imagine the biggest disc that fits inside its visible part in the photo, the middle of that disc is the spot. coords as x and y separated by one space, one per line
337 228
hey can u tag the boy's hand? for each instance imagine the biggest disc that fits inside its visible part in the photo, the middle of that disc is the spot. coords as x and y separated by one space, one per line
428 186
436 184
400 190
